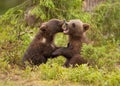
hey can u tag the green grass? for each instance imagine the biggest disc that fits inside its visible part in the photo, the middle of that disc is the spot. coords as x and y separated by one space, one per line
52 72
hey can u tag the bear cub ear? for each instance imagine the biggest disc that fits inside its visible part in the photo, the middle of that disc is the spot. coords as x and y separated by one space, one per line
85 26
43 27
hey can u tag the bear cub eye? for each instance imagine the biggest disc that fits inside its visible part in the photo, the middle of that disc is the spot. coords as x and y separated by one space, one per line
73 25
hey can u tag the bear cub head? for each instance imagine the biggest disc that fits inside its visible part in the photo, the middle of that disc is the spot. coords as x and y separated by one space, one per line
52 27
75 28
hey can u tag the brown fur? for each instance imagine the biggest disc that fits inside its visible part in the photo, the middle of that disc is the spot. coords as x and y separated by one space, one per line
76 31
42 46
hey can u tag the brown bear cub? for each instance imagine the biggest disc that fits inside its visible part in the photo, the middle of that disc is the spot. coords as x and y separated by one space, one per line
76 31
42 46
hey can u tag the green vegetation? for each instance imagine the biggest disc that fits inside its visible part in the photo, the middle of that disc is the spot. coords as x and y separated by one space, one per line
104 54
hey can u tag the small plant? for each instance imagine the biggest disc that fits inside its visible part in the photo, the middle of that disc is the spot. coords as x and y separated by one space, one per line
98 56
105 22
